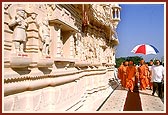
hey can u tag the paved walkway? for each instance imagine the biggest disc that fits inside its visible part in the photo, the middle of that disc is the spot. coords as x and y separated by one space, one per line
123 100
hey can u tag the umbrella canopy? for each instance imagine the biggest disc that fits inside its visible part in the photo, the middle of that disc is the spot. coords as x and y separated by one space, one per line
145 49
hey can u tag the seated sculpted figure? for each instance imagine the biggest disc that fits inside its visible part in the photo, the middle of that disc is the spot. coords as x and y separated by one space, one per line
44 32
19 25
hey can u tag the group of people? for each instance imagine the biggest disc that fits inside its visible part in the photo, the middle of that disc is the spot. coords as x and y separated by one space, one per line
149 76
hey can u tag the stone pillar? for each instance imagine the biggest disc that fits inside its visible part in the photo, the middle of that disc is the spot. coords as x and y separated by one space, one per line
115 11
112 12
118 14
71 44
56 36
53 43
113 58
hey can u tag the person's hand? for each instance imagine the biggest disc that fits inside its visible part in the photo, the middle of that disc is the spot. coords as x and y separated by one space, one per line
162 79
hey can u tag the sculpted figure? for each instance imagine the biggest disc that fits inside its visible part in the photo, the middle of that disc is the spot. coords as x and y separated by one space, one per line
19 25
44 32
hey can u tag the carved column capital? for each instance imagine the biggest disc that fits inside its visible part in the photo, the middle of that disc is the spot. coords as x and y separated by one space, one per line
72 32
57 26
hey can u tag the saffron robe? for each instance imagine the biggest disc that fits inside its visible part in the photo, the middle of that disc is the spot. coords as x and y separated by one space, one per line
130 81
120 73
124 76
143 76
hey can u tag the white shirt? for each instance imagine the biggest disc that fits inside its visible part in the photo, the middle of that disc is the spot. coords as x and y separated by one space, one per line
157 73
150 67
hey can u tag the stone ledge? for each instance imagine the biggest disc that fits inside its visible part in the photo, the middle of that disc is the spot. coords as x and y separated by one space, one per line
82 64
45 62
20 60
63 59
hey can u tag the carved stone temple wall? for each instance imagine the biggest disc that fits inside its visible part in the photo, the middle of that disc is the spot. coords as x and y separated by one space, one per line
58 57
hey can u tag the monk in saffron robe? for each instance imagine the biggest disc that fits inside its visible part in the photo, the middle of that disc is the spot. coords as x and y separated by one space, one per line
142 75
131 72
147 73
124 74
120 72
136 76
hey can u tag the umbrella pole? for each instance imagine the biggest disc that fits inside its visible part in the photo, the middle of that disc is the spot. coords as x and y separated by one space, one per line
155 58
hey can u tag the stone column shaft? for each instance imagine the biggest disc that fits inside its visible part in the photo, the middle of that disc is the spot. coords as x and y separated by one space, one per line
58 41
71 45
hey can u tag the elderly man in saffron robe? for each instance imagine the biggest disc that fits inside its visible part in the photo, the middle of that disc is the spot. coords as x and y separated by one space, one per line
120 72
124 74
142 75
131 73
147 75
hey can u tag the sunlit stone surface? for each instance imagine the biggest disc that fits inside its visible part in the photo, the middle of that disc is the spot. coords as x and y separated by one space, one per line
58 57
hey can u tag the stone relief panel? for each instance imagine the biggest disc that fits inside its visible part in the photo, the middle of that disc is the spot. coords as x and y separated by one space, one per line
44 33
51 8
28 31
79 47
19 25
28 24
30 21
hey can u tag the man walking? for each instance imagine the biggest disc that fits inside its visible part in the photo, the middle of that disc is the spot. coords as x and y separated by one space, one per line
120 73
124 74
142 75
131 72
157 77
150 74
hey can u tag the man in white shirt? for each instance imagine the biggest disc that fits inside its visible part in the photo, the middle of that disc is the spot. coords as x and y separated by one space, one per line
157 77
150 74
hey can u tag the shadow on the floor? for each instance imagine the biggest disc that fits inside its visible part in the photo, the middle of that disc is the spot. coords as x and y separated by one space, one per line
133 101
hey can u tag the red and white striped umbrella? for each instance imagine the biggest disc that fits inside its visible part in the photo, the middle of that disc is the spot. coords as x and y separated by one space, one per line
145 49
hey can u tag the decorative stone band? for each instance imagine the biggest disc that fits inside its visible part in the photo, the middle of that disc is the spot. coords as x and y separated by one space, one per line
28 83
82 64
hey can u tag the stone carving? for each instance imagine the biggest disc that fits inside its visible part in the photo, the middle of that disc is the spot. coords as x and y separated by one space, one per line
77 45
80 49
6 6
29 77
19 25
44 32
51 8
61 46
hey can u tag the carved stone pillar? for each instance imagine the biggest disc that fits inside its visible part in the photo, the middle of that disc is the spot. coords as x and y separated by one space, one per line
115 11
118 14
56 36
71 44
